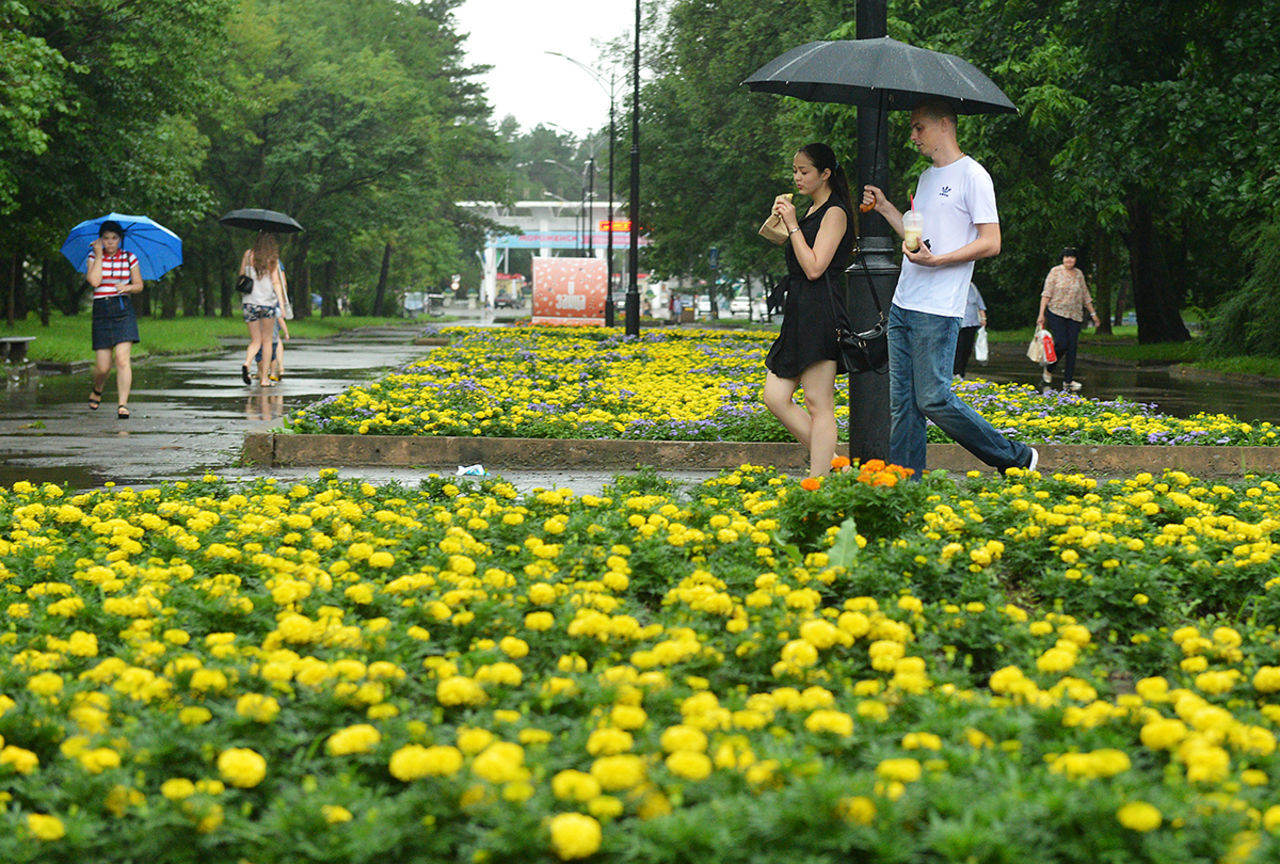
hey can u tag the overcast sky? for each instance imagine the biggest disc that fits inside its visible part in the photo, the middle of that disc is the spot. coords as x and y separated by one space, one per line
512 36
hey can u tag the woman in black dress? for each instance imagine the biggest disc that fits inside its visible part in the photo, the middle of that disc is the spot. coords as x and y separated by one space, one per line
805 354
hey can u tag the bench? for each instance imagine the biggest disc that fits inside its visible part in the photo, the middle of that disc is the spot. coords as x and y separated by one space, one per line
13 349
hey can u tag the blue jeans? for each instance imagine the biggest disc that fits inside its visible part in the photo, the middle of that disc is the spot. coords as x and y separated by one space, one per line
922 349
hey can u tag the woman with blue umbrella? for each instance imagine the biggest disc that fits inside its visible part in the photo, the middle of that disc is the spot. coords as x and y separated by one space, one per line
116 252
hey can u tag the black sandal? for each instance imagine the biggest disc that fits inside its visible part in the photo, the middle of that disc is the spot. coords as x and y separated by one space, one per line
244 375
122 412
95 399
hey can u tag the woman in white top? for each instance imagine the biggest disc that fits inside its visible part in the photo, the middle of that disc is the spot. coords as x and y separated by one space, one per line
263 304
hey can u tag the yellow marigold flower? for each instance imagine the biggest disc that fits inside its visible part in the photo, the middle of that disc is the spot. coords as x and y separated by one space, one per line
904 770
921 740
381 559
45 683
361 738
1271 819
859 809
177 788
20 760
575 835
44 827
574 785
609 742
1139 816
500 762
1267 679
460 690
334 815
472 740
628 716
1163 734
613 773
99 759
513 647
539 621
414 761
1056 660
194 715
689 764
826 720
257 707
682 737
242 767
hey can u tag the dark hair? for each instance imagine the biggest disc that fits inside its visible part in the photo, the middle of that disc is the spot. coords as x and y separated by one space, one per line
824 158
112 227
1068 251
939 109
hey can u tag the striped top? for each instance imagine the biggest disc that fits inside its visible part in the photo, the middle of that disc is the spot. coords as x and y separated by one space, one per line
115 271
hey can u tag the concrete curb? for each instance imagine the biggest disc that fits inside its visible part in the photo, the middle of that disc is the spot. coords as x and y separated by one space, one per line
269 449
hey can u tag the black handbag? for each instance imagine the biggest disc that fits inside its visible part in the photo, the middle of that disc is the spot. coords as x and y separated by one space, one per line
865 351
244 284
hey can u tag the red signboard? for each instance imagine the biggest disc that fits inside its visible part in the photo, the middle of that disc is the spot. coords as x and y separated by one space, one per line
617 225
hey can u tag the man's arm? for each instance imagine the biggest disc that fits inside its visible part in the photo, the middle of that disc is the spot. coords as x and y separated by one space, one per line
986 246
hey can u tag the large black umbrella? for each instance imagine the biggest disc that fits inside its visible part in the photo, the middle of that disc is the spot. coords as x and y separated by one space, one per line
879 72
261 220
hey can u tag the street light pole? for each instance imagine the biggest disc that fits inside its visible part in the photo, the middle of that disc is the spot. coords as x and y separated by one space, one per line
611 92
591 208
869 425
633 259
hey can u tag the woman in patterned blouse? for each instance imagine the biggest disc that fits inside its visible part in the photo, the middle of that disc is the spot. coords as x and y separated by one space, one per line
113 273
1062 307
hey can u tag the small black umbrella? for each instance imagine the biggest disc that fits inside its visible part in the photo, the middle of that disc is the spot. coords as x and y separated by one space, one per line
879 73
261 220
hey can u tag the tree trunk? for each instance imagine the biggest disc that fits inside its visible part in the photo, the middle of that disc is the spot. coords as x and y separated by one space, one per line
11 305
329 303
1103 280
169 298
380 294
46 293
1155 299
302 296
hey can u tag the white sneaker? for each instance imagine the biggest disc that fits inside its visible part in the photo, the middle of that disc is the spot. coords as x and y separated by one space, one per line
1035 459
1072 385
1046 376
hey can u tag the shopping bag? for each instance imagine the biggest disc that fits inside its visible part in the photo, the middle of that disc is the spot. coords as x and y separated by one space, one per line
1050 355
1035 350
980 345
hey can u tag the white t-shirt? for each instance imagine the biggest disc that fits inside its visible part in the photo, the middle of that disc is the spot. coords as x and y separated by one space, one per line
953 201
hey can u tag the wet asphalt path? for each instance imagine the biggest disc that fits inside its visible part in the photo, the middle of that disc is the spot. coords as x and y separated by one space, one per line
189 415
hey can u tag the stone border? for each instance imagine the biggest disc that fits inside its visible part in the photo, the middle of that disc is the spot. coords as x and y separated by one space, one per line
270 449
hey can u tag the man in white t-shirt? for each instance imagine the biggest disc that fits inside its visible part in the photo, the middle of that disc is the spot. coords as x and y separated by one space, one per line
957 201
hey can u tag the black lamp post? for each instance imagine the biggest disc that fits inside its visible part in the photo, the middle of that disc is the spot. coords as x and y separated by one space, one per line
611 92
869 422
633 259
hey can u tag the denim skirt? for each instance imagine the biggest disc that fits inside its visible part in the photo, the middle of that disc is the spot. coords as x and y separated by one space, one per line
114 322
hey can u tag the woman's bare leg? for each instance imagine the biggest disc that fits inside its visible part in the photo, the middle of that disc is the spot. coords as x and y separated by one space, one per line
819 382
124 371
778 393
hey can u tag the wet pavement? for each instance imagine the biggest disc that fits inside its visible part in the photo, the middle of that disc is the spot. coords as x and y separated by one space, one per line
190 415
1174 391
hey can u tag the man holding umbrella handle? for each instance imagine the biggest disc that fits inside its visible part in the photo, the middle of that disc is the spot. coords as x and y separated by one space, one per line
956 203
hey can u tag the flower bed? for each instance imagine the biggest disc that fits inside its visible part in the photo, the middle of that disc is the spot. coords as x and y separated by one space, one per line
1023 669
681 385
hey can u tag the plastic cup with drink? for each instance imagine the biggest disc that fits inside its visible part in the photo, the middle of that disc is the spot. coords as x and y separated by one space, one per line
912 226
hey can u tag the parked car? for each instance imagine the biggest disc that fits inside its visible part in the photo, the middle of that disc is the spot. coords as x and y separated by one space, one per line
505 303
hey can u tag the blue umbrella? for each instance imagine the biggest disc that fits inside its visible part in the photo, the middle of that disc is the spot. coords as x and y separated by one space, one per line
159 250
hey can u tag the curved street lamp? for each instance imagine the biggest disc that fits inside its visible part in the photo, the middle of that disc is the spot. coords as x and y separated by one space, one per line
611 93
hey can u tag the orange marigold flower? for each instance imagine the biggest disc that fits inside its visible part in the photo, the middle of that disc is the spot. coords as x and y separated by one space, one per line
839 462
811 483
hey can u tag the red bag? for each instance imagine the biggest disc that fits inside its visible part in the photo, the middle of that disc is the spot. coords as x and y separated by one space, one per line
1050 355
